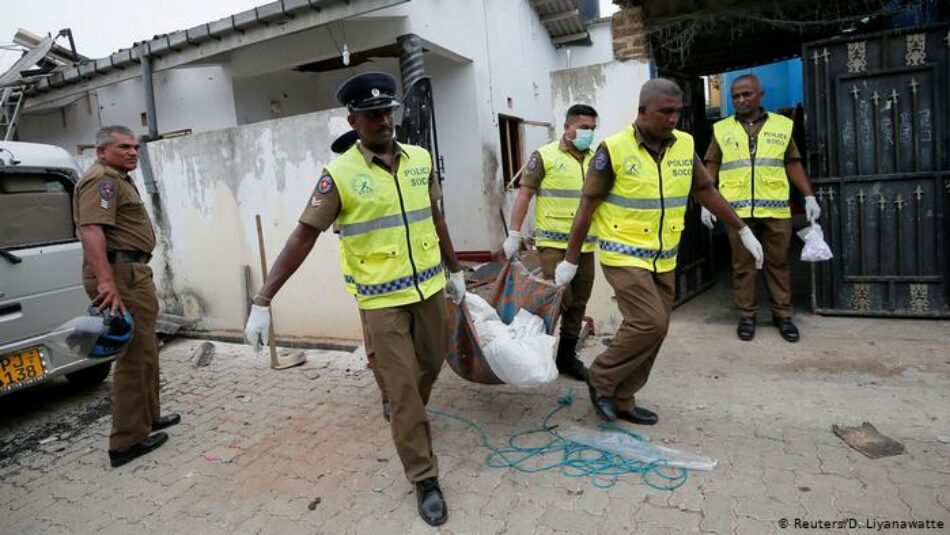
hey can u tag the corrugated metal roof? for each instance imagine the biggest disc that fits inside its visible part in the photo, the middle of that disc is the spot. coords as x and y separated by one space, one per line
562 20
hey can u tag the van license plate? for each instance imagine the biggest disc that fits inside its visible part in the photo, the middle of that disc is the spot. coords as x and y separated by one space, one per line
21 367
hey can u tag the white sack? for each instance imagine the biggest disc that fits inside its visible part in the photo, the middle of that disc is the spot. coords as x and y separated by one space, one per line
518 354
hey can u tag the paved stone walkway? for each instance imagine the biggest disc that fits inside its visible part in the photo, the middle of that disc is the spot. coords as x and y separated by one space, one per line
307 451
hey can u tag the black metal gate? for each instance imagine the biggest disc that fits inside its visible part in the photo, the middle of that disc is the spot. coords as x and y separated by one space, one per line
877 113
694 262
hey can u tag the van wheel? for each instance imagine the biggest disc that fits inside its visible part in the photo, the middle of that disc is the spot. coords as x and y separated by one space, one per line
90 376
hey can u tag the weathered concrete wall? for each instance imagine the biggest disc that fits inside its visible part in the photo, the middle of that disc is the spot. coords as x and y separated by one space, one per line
211 185
196 98
613 89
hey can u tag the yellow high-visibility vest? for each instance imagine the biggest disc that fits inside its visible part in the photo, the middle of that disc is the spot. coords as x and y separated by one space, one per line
347 273
559 195
755 187
386 228
640 222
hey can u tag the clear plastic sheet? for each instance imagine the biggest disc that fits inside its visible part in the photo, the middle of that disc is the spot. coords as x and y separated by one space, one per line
633 447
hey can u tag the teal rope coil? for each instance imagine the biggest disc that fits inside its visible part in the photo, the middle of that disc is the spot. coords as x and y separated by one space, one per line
573 459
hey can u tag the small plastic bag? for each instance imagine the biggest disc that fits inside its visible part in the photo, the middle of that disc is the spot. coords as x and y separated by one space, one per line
815 249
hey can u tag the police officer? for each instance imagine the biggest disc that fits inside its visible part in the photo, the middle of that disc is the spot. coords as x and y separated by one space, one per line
340 145
753 155
384 199
117 241
638 184
555 173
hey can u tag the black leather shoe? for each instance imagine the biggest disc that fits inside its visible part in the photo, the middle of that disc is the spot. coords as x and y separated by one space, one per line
639 416
787 329
573 368
123 455
432 507
166 421
746 329
603 405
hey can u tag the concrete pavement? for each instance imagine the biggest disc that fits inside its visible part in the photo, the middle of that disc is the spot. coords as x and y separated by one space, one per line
306 450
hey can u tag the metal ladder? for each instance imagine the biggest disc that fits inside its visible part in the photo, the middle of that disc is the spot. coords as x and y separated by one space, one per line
11 104
39 59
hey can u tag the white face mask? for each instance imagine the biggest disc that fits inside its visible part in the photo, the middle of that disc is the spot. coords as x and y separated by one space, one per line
583 139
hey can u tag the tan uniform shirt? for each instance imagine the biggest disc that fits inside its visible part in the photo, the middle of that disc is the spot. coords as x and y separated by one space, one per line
323 208
534 171
714 152
107 197
600 175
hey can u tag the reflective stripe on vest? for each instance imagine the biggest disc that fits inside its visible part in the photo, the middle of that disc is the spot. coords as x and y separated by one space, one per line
755 188
559 195
386 229
641 220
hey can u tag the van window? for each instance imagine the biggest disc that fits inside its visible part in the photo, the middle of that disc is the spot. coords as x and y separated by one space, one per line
35 209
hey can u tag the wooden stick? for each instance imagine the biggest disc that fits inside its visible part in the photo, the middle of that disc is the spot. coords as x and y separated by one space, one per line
270 329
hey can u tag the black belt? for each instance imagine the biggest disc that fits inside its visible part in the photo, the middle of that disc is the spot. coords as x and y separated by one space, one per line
128 256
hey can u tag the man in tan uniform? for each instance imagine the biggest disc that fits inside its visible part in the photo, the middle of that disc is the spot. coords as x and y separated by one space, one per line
385 200
117 241
768 218
340 145
555 173
638 183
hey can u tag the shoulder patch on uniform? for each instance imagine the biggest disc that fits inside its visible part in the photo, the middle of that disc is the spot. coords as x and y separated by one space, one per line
600 160
534 161
107 190
325 184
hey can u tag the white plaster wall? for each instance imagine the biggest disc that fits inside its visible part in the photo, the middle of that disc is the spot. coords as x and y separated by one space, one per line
601 49
68 127
613 89
211 185
285 93
511 57
198 98
480 55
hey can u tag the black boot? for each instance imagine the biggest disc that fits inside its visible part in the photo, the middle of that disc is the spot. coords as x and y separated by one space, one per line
432 507
567 361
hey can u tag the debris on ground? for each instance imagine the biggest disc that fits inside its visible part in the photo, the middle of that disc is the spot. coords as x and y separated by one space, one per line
202 355
170 324
313 505
868 440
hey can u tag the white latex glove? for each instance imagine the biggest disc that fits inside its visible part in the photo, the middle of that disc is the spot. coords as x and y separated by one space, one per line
707 218
812 210
257 330
752 244
512 243
564 273
456 287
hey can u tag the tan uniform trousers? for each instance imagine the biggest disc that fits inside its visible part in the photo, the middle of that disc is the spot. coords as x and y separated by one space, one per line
645 300
371 357
775 236
410 345
577 293
135 373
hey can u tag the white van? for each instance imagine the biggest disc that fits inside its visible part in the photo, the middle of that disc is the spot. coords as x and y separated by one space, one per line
40 268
